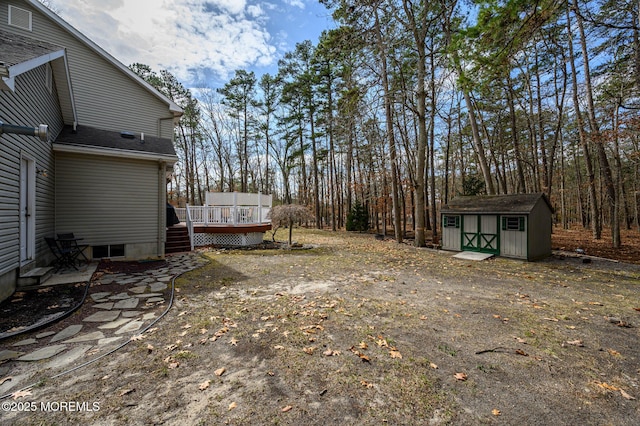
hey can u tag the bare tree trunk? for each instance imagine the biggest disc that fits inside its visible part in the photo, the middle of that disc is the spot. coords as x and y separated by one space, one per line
598 139
595 219
389 134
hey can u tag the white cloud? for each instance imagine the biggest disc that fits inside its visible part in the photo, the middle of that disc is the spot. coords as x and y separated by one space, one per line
185 37
295 3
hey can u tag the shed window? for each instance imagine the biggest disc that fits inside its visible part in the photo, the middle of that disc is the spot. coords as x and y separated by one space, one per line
452 221
513 223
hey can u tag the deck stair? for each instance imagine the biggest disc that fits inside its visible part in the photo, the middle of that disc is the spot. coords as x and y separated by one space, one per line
177 240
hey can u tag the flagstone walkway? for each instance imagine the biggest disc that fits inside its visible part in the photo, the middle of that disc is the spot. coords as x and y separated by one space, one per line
109 319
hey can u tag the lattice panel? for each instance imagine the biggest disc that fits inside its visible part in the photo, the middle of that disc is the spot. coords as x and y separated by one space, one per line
249 239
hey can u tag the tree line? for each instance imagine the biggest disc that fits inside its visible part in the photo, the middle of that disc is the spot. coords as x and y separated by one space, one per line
408 103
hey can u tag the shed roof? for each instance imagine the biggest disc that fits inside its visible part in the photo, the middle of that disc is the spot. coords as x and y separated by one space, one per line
87 139
496 204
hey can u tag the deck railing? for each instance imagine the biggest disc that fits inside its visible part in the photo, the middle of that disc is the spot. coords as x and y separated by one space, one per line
230 209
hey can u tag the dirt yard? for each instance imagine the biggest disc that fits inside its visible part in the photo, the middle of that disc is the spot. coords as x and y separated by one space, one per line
361 331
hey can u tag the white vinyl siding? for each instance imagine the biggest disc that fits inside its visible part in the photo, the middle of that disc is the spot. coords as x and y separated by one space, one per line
106 200
513 241
106 98
30 105
451 234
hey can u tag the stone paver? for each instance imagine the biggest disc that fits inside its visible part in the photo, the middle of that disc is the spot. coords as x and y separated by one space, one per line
25 342
45 334
114 324
131 314
108 340
130 303
120 296
139 289
99 296
158 287
68 357
44 353
72 330
155 299
107 305
104 316
6 355
87 337
132 326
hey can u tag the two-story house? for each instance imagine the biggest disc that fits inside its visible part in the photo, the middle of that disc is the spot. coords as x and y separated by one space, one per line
102 171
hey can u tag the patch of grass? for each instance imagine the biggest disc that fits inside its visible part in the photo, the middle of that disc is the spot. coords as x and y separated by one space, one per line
448 350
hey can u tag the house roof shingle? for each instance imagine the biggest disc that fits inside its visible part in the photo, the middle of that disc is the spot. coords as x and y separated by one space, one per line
89 137
495 204
16 49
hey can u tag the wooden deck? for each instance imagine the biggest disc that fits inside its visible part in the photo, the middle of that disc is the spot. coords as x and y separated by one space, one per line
230 229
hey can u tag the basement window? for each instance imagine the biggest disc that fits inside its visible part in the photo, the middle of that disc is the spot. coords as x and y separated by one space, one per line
112 250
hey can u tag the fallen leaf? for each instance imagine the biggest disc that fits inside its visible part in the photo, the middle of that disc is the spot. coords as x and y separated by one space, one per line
171 347
521 352
126 392
578 343
626 395
186 326
432 365
137 337
5 379
232 406
363 345
607 386
21 394
204 385
233 341
309 350
460 376
366 384
287 408
519 340
149 348
551 319
612 352
596 303
395 354
495 412
220 371
278 347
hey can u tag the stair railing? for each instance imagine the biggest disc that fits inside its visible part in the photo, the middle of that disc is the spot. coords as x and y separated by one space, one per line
189 225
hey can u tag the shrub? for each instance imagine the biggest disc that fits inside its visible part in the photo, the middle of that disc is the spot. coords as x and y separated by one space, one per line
358 218
287 215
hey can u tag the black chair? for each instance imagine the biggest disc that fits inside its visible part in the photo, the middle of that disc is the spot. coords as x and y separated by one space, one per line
70 242
64 257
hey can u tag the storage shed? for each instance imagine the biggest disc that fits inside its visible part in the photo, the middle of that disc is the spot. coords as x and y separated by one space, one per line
517 226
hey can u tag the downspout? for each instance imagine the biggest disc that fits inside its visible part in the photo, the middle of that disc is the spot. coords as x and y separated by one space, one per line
162 202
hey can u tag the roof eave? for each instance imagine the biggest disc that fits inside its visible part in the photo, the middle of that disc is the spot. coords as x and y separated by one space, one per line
112 152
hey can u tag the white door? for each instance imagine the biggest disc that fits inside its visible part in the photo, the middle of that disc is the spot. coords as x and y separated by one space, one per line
27 210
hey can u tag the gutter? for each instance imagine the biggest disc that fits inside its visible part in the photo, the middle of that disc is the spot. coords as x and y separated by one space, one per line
111 152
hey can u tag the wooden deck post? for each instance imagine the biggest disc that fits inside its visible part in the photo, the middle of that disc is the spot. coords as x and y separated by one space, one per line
259 207
234 217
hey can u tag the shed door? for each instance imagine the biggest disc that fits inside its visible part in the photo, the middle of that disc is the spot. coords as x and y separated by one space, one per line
480 233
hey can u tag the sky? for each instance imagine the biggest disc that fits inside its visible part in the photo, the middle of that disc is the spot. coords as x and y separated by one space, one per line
201 42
